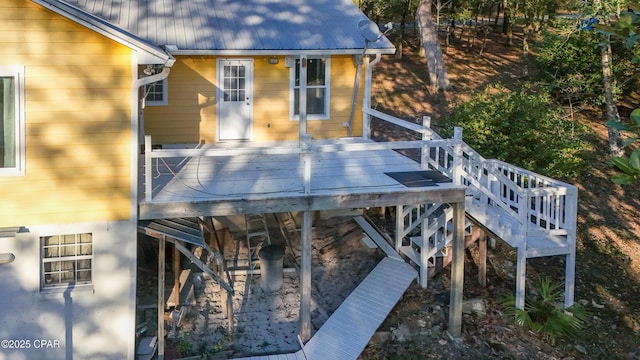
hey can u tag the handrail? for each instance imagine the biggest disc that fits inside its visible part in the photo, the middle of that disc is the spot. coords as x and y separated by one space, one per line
303 149
539 203
402 123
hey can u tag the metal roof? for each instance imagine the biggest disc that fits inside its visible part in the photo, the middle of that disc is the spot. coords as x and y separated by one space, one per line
148 52
240 26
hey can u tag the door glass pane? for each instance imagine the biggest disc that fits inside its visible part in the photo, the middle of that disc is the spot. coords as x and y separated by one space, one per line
84 249
234 82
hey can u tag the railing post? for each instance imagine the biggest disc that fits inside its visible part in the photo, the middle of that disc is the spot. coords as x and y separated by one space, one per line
148 186
523 210
457 156
366 101
424 252
306 161
302 102
399 226
424 156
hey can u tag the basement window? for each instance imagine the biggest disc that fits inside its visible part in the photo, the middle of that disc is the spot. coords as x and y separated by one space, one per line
67 260
12 135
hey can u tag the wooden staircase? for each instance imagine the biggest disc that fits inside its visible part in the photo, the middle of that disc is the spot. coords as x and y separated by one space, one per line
190 231
424 235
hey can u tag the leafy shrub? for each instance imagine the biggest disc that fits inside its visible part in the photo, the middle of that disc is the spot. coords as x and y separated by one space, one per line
629 166
543 312
569 63
523 129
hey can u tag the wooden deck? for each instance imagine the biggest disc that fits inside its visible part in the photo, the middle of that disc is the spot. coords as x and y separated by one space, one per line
272 179
346 333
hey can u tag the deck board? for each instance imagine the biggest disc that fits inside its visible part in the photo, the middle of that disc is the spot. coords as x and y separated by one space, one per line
211 177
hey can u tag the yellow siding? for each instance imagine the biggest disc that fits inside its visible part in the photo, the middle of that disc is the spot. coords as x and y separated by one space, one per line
78 87
190 116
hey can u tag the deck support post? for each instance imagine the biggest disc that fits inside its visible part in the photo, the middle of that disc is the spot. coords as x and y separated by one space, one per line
399 226
521 275
161 270
176 276
423 277
457 271
569 277
570 259
482 259
305 277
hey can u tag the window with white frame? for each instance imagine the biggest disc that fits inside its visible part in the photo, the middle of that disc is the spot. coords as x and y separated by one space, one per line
155 94
67 260
12 136
318 74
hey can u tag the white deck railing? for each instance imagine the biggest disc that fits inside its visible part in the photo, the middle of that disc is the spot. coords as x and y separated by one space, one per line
303 148
539 203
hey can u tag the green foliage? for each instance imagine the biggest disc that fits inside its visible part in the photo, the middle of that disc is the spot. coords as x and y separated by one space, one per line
387 10
543 312
184 346
627 30
569 64
629 166
524 129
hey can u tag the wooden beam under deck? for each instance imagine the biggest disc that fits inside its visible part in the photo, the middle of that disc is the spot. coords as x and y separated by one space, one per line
443 193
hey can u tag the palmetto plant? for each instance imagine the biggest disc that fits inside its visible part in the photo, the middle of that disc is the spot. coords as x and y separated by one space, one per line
544 313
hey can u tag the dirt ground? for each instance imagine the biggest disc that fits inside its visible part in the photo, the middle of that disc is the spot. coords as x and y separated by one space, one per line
608 244
266 320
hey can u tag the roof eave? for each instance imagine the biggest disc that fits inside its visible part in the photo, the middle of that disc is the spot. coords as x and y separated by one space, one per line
230 52
147 53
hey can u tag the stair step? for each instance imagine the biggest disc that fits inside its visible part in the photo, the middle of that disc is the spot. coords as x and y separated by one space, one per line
414 255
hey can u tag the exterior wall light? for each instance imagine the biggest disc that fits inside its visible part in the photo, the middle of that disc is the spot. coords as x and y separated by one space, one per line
273 60
6 258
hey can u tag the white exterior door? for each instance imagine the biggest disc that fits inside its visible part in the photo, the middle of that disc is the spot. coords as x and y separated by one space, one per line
235 99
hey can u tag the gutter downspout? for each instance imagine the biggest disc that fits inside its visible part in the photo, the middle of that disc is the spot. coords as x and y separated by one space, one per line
137 84
366 101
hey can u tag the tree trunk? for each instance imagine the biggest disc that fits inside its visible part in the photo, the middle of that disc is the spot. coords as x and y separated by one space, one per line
438 77
507 26
615 138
